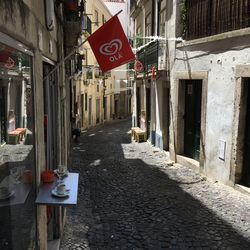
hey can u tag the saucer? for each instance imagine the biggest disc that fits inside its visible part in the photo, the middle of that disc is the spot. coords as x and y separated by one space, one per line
54 192
7 196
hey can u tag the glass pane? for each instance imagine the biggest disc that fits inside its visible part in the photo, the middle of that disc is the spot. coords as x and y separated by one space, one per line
17 164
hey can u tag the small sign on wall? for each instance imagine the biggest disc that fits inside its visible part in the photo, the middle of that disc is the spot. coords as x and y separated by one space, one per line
222 149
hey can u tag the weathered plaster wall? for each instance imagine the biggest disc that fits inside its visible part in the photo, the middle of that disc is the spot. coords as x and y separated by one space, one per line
219 60
19 21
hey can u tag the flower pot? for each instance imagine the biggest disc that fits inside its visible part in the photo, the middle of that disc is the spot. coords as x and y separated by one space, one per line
47 176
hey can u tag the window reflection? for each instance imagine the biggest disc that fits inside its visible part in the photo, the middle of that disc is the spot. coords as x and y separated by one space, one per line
17 189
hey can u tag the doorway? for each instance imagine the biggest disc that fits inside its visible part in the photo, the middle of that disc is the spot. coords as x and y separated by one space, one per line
166 117
3 116
148 110
246 154
97 111
105 107
90 111
138 106
192 118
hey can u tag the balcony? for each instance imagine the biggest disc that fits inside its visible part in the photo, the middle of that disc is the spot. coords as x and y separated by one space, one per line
73 21
202 18
148 56
72 29
155 54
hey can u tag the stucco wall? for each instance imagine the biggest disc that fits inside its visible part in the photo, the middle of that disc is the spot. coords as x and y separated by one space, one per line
219 60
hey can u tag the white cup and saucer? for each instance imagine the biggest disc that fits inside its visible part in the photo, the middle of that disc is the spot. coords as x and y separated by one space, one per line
60 190
5 193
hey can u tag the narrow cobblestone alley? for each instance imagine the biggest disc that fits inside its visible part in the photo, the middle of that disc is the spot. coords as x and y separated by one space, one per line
130 199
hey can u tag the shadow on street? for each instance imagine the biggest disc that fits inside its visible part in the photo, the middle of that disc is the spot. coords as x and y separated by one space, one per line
128 201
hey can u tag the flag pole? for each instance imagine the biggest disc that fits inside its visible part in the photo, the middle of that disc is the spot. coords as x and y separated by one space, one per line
118 13
70 54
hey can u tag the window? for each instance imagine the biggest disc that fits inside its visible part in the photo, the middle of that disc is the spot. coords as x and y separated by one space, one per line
103 19
97 87
138 38
162 22
17 161
96 18
89 73
148 25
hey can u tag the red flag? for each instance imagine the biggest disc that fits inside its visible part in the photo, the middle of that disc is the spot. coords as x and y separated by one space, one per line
110 45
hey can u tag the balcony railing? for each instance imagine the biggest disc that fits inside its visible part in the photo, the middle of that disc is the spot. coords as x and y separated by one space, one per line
148 56
203 18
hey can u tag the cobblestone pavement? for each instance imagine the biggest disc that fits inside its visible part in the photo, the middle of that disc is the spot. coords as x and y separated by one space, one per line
130 199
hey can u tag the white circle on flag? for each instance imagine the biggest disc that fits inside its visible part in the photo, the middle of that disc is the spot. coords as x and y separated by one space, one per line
111 48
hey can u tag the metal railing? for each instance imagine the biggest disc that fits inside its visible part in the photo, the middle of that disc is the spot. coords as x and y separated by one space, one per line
148 56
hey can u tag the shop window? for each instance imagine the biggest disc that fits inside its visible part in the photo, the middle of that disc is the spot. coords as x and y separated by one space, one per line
17 162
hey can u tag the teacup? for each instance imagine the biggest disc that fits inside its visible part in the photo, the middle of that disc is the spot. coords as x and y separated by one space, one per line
61 189
4 191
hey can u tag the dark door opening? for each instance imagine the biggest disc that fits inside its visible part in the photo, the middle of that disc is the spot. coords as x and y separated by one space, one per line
90 111
138 106
3 117
166 118
148 110
246 154
105 107
192 118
